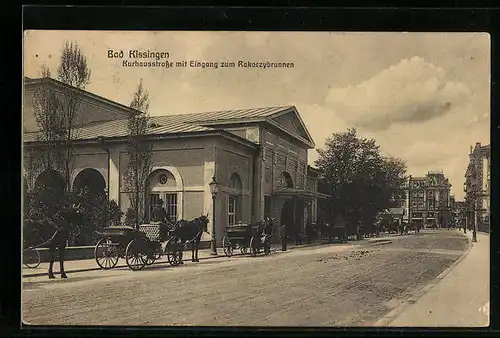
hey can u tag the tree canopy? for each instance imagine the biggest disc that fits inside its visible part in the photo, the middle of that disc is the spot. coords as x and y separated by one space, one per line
361 181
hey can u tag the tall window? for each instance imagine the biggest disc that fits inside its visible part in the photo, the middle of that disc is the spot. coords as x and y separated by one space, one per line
153 201
231 209
285 180
169 203
234 199
171 206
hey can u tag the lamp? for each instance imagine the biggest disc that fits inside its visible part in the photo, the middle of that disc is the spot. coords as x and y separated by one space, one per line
214 189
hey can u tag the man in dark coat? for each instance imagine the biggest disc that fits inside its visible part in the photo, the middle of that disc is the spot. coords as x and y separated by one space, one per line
160 215
283 237
159 212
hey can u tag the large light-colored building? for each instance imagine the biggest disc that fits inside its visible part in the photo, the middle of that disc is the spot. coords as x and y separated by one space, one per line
477 187
258 156
428 200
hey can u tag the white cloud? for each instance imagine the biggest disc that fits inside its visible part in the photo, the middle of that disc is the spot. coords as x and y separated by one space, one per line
411 91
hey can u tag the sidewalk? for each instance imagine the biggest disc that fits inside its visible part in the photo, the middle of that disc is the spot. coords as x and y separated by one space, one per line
83 265
458 298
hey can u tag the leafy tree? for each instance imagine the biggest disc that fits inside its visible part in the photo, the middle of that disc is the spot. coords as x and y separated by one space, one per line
47 109
58 114
73 71
57 111
360 181
139 155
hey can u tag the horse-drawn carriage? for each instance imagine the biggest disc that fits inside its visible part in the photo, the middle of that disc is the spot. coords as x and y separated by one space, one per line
144 246
138 247
248 238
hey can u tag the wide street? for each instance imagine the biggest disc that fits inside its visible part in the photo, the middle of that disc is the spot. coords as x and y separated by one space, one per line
329 285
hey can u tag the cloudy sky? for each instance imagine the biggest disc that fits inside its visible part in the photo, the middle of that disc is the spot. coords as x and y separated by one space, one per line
425 97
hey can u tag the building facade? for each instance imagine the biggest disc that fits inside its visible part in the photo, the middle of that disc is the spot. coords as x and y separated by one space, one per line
458 211
257 156
477 187
428 200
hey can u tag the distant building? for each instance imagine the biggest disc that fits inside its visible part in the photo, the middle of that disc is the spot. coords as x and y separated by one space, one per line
477 187
428 200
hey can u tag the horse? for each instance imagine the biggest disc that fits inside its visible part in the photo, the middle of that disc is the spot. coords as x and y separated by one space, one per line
191 231
62 223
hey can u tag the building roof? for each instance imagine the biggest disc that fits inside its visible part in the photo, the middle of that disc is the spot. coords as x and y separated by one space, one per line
125 110
118 128
182 123
173 124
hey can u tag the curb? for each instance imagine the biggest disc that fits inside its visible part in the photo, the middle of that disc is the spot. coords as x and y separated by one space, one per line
391 316
381 242
39 274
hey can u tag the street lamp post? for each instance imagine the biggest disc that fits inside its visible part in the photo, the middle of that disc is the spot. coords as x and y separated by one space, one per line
214 189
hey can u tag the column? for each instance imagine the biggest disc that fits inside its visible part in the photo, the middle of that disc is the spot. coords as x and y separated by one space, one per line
208 173
114 176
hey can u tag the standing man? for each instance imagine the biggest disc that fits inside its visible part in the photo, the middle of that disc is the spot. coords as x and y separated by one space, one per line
160 215
283 237
159 212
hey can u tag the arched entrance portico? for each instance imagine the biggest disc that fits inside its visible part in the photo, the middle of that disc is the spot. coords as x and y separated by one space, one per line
163 184
89 180
287 216
51 184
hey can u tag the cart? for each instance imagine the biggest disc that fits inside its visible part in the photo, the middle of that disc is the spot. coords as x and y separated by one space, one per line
138 247
246 238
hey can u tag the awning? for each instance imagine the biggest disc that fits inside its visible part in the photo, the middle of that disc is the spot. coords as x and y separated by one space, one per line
300 193
394 212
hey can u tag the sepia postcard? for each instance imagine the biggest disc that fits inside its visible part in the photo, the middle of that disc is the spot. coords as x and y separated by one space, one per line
270 179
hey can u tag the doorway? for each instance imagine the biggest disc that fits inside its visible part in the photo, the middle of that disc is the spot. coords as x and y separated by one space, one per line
288 217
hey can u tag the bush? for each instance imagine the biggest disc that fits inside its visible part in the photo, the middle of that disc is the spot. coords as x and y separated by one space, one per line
93 212
130 217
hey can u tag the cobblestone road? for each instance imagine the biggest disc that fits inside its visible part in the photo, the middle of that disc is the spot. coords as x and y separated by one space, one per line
335 285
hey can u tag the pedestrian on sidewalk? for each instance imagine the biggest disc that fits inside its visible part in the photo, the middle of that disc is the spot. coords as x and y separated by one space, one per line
283 237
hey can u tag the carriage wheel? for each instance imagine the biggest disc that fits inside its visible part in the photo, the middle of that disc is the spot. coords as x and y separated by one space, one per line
154 253
136 260
151 258
173 252
227 246
243 250
31 258
254 249
106 253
